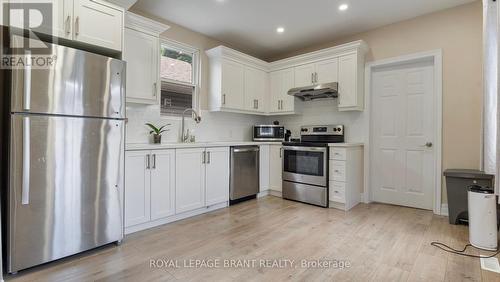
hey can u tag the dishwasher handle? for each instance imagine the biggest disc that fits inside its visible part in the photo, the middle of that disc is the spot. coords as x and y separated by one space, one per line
245 150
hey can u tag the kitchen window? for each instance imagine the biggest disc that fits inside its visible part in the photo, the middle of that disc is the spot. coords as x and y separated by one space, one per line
179 73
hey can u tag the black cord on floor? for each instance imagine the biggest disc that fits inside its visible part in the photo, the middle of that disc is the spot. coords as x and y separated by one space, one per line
449 249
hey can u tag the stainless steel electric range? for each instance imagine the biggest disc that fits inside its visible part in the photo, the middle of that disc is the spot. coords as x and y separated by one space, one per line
305 164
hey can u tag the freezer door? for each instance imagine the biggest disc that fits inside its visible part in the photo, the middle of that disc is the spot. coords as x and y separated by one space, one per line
65 187
78 84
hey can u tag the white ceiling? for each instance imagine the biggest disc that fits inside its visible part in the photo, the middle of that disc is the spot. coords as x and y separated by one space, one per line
250 25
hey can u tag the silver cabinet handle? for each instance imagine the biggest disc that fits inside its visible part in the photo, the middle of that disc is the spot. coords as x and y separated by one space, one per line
312 78
223 99
257 101
67 25
281 152
27 88
25 193
203 158
154 161
148 163
315 77
155 89
77 25
279 105
208 158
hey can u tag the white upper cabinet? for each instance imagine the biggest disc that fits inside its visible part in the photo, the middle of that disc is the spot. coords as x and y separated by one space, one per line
280 83
325 71
142 53
255 89
243 84
98 23
351 83
233 85
217 175
95 22
238 82
304 75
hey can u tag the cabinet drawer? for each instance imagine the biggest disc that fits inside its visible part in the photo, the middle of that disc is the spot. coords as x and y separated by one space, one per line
337 192
338 170
338 154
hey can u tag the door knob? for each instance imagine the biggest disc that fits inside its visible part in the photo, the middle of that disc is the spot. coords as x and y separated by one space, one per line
428 144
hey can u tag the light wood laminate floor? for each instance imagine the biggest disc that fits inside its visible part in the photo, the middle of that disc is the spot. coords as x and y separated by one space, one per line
381 243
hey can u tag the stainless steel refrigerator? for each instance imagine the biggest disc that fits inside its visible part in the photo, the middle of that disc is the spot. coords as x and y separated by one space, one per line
64 157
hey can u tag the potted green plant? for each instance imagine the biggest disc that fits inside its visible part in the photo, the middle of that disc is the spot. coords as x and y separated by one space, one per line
157 132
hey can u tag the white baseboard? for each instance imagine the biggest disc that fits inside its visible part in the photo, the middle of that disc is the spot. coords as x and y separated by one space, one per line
276 193
263 194
444 209
170 219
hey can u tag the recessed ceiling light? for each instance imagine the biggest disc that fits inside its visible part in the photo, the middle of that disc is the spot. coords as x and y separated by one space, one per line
280 29
343 7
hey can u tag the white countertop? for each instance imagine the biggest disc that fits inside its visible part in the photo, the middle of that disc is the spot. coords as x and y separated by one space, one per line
140 146
136 146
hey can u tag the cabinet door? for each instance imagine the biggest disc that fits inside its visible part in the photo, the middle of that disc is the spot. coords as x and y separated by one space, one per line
60 25
327 71
189 179
98 24
347 81
275 166
281 82
233 85
255 89
287 83
141 52
217 175
162 184
276 79
137 188
304 75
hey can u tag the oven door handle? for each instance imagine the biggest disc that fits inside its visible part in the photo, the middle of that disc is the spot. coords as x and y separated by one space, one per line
308 149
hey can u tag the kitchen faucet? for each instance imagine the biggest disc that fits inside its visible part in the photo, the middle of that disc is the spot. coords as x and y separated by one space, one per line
197 118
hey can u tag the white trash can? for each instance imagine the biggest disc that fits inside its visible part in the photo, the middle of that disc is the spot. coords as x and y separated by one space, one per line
482 218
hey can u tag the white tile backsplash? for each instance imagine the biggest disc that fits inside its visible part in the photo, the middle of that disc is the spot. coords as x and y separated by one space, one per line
216 126
325 112
220 126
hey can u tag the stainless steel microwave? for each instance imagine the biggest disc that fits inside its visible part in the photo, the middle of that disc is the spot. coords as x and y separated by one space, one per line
269 133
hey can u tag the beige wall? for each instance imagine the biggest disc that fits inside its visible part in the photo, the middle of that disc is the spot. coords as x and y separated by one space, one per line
458 32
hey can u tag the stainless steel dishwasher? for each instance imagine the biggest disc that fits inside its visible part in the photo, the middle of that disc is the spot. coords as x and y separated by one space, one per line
244 179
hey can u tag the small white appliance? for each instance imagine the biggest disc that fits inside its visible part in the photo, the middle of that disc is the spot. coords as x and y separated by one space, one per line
482 218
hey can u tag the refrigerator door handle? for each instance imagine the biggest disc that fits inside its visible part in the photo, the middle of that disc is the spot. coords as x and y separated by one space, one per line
25 194
27 88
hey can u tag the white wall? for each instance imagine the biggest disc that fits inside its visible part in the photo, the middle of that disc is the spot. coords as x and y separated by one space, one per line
325 112
213 127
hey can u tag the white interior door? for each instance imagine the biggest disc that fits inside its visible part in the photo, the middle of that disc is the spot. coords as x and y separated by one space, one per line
403 126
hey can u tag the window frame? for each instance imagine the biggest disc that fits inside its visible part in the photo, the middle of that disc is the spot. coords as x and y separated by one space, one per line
196 67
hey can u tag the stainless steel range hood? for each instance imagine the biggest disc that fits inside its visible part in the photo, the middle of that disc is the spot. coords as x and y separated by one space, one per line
308 93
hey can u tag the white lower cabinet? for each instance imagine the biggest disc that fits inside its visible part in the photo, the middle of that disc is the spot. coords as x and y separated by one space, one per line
202 178
217 175
346 176
149 186
137 188
163 186
275 168
190 179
